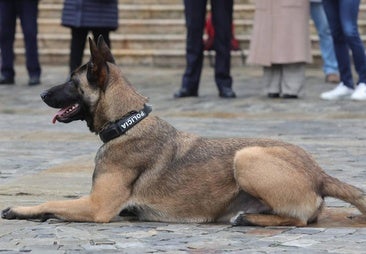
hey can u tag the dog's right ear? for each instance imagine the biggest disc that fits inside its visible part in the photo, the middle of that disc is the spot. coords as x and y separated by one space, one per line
97 69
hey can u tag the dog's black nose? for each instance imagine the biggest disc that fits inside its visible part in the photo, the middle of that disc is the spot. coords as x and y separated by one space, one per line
44 95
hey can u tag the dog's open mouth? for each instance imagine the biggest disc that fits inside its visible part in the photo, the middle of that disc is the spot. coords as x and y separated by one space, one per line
65 114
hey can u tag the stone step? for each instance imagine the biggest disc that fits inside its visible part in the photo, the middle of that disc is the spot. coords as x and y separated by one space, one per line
159 26
140 26
122 41
147 57
147 11
137 41
162 11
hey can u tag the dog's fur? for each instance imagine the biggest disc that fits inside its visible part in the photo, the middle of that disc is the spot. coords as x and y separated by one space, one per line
162 174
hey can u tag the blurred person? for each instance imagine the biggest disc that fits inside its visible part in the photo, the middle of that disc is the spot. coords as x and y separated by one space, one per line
27 11
84 16
281 44
222 17
342 18
330 65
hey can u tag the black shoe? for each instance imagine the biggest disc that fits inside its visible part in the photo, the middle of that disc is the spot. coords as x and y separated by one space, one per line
273 95
227 93
290 96
33 81
185 93
6 81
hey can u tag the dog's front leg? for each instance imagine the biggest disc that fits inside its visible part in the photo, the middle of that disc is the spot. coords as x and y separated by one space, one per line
73 210
105 202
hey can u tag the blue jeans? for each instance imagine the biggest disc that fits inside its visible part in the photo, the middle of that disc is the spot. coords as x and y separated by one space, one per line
325 38
342 17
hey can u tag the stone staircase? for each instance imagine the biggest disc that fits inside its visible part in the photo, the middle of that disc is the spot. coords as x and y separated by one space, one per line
151 32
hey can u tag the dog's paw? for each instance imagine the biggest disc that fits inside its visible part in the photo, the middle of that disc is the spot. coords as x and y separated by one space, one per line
240 220
8 214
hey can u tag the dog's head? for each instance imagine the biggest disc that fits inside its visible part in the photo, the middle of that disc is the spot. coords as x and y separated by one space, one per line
96 92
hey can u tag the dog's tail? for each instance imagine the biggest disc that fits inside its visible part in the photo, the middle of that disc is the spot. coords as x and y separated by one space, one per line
333 187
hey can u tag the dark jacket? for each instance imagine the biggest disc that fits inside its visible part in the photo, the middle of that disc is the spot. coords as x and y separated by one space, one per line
90 13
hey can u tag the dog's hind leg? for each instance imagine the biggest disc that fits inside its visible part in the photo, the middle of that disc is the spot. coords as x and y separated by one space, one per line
274 176
242 219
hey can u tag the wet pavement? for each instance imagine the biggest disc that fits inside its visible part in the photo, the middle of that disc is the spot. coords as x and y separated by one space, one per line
40 161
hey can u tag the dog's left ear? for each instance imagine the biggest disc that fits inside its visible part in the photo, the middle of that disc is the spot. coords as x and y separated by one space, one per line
104 50
97 71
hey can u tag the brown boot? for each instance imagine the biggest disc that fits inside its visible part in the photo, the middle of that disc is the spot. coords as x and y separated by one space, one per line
332 78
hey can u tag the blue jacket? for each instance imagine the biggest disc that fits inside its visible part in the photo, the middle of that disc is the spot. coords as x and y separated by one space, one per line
90 13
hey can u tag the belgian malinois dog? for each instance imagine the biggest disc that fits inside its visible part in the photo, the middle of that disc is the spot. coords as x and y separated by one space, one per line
161 174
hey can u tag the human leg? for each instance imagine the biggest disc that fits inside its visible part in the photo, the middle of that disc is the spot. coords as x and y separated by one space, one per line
331 8
78 39
7 34
195 11
28 13
348 15
271 80
222 18
293 79
330 65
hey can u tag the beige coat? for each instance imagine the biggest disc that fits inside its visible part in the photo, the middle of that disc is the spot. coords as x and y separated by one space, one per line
280 33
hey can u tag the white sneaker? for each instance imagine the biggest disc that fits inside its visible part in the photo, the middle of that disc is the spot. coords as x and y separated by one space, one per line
340 92
360 92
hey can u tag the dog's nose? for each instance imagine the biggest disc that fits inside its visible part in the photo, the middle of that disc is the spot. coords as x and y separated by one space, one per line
44 95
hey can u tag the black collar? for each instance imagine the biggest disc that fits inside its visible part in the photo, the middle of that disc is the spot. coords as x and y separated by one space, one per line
120 127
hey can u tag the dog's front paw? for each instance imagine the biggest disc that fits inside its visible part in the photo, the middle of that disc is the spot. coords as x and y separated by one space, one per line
8 214
23 213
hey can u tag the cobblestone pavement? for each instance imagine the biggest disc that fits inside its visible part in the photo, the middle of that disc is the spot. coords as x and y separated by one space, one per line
40 161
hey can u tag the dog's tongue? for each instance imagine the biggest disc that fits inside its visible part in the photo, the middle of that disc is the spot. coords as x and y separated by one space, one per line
59 113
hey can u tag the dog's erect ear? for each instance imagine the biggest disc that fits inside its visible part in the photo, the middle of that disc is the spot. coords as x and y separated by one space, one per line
97 68
104 50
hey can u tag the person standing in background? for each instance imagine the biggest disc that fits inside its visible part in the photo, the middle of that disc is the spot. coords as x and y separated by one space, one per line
82 16
27 11
330 65
342 18
222 17
281 44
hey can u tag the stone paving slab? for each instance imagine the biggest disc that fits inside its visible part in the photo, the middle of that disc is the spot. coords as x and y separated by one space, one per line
40 161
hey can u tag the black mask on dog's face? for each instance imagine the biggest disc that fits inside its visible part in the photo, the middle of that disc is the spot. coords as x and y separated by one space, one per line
67 99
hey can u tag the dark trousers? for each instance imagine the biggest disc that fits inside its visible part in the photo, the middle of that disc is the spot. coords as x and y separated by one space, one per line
222 16
342 18
78 39
27 11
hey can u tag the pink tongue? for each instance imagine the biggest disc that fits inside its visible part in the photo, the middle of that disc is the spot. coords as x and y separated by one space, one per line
59 113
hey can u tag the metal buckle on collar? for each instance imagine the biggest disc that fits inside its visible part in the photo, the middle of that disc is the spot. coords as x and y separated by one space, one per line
109 133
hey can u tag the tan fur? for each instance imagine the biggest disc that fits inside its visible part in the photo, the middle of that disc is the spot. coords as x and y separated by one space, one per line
163 174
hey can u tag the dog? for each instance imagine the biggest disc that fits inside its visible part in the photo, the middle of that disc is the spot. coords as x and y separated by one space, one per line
162 174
